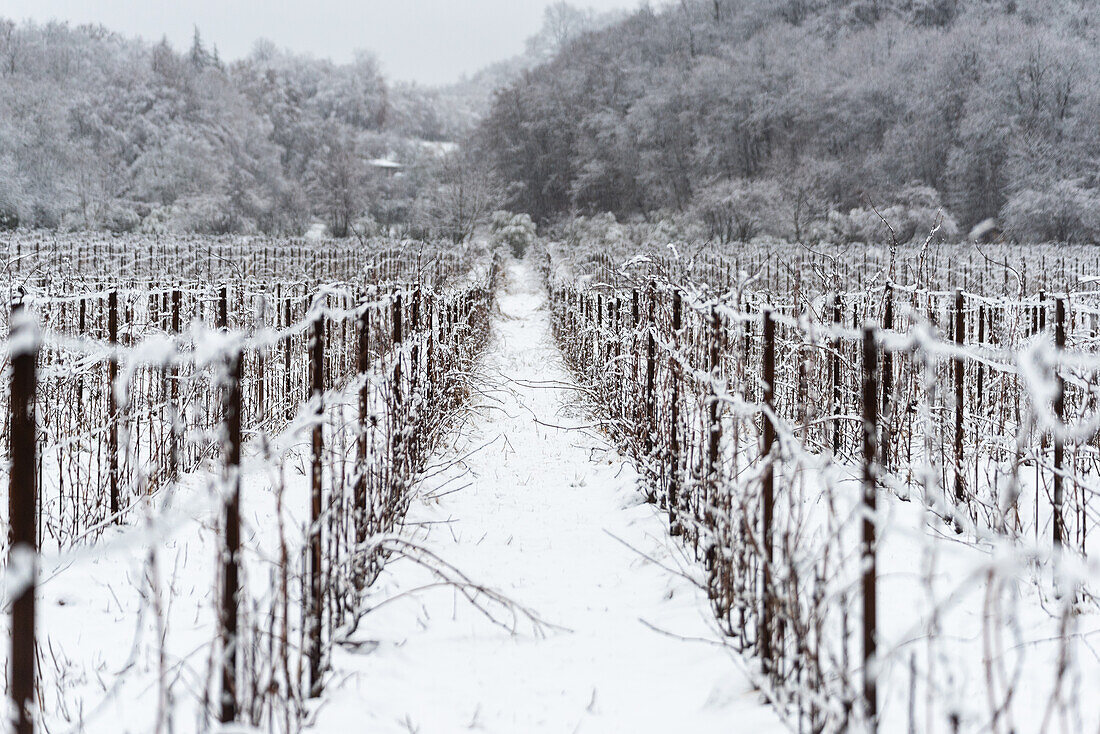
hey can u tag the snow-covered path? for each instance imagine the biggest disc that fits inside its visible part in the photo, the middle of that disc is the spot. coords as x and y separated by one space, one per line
545 514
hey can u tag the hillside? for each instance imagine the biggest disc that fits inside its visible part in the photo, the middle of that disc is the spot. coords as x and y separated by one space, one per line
98 131
763 117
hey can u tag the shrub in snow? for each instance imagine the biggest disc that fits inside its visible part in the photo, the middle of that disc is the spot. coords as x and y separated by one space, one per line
737 210
9 218
914 213
120 218
1063 211
157 221
601 230
366 226
207 214
669 228
9 205
515 231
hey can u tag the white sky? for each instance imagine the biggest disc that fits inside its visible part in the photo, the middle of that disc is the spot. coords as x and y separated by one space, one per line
430 41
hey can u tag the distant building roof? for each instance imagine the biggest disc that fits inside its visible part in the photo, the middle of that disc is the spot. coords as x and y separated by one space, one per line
385 163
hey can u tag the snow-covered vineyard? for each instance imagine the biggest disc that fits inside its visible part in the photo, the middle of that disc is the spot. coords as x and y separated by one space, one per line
406 487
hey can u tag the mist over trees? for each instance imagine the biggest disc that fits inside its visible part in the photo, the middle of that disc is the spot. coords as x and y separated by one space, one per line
800 118
471 98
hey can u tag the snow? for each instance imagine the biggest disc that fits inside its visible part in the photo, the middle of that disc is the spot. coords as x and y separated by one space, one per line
983 228
531 502
439 149
142 598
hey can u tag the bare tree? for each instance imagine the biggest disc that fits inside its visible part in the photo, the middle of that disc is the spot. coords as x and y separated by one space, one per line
467 194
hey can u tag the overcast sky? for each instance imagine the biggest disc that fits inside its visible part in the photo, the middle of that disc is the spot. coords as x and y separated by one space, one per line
430 41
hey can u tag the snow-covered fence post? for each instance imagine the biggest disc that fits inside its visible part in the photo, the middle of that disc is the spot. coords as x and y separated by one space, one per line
868 545
714 437
431 378
22 488
767 455
362 365
1060 413
397 424
835 370
675 527
81 331
232 549
317 386
414 357
601 342
288 344
173 395
980 409
960 373
615 320
887 382
259 410
223 308
635 318
650 376
112 405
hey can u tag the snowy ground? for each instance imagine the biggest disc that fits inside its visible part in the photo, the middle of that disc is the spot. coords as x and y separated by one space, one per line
606 628
539 509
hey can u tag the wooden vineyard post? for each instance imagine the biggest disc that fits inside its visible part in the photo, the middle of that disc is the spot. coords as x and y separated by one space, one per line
80 332
675 528
650 377
1041 313
173 396
1060 413
288 343
887 382
398 400
978 410
223 308
634 319
232 549
767 450
960 373
714 437
431 378
868 545
600 341
362 365
317 386
112 406
259 411
835 360
614 324
22 500
414 352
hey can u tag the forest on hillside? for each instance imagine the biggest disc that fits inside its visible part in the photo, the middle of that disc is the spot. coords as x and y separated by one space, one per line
331 403
102 132
801 120
806 119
